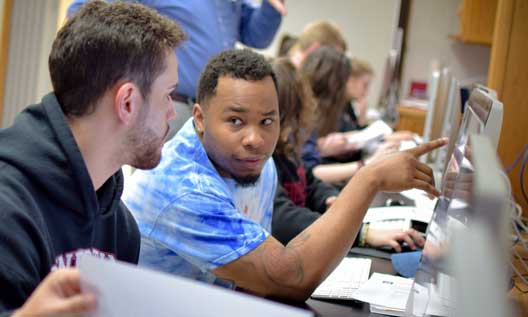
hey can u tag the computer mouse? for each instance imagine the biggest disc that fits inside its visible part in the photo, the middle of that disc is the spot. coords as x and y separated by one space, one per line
394 202
404 248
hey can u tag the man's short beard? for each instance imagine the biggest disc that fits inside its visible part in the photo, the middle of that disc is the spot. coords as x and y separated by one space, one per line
246 181
143 144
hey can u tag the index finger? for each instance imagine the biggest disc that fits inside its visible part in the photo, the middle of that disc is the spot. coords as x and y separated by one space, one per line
428 147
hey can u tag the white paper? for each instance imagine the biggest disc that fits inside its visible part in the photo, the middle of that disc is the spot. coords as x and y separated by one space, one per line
386 311
385 291
421 198
125 290
374 131
347 277
406 145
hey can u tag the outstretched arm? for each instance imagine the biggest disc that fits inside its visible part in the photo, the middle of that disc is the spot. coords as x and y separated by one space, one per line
294 271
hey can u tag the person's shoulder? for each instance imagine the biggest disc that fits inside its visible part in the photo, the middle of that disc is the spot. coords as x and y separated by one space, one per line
22 214
15 187
270 170
173 183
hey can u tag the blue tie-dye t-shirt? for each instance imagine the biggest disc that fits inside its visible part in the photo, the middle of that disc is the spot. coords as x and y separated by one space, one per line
191 219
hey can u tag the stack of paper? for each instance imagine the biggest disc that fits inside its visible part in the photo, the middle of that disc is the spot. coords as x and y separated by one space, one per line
375 131
348 276
386 294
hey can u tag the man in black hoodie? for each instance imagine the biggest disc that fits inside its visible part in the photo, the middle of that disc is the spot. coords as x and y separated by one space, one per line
113 68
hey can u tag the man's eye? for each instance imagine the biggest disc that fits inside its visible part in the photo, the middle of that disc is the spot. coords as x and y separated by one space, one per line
267 121
236 121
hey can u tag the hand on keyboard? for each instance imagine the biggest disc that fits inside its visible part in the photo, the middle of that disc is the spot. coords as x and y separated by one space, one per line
378 238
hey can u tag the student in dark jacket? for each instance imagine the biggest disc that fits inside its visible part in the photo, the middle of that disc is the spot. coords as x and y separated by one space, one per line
112 67
301 197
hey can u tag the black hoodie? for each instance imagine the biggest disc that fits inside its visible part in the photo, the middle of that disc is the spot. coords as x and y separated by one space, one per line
49 211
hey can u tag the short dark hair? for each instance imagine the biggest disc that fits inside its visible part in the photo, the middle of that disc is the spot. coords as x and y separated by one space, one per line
235 63
104 43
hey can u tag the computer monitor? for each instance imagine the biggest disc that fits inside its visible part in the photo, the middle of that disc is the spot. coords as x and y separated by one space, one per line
450 126
484 242
388 99
433 86
389 93
483 114
436 112
464 259
489 109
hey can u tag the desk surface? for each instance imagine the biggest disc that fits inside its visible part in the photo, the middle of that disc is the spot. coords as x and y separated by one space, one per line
331 308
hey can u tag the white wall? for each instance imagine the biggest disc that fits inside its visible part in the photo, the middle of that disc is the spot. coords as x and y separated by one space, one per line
430 24
33 27
367 25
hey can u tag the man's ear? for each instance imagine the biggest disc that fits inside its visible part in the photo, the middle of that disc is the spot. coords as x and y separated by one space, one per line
127 101
199 119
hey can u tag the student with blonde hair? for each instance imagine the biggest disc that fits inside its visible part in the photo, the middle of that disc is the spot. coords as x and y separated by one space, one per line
355 112
314 35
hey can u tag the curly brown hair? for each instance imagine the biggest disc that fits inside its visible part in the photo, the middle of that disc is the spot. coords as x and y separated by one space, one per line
297 108
327 71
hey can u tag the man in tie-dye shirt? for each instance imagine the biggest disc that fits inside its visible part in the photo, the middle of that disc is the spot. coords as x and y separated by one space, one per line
205 211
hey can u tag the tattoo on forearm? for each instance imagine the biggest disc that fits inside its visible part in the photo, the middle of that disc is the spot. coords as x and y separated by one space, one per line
285 262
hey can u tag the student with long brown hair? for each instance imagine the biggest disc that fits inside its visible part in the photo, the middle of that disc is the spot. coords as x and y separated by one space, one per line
327 71
355 113
301 197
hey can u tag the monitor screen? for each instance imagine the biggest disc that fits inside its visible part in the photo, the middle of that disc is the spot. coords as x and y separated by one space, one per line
472 123
449 129
467 193
388 98
432 86
431 288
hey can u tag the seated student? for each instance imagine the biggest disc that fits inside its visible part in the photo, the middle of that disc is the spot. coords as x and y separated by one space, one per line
355 113
314 35
327 71
205 212
302 194
353 118
285 44
112 67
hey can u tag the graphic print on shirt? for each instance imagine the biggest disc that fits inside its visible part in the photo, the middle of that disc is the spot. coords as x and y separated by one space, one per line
70 259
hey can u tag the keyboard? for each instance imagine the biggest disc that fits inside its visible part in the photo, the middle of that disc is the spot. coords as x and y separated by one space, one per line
396 217
348 276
